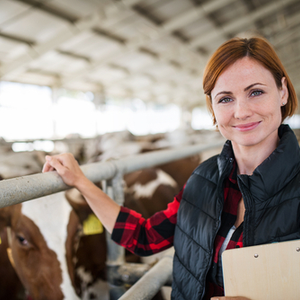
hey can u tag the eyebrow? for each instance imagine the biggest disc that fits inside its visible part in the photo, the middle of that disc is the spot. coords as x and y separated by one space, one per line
252 85
245 89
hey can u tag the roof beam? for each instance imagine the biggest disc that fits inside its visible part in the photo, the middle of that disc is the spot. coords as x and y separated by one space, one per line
17 39
44 6
241 22
288 33
94 20
161 30
126 48
193 14
37 50
72 30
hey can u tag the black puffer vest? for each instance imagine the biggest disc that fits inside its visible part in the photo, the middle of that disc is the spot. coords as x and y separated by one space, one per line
272 201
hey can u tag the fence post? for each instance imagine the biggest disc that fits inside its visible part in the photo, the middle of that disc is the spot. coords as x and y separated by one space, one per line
115 253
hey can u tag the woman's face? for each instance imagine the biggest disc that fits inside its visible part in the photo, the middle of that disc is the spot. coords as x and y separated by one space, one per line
247 103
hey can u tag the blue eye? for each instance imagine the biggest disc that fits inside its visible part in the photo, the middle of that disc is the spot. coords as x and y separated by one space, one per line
256 93
225 100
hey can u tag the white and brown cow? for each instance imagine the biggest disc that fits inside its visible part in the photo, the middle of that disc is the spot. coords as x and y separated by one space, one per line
14 164
52 257
11 287
149 191
48 252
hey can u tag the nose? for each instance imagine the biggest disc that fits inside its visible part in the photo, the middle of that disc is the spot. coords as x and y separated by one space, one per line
242 110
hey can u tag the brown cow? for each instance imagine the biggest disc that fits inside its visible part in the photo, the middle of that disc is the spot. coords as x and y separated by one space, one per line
53 259
11 287
149 191
46 248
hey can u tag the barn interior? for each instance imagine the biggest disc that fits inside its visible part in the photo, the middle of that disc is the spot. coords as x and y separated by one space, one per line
131 60
107 79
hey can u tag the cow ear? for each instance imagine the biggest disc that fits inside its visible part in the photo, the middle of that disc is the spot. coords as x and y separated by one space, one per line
5 216
90 223
78 204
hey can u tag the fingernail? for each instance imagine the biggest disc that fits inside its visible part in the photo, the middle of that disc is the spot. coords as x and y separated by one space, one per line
48 157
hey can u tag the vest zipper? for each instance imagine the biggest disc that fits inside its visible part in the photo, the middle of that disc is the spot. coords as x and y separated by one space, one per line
248 231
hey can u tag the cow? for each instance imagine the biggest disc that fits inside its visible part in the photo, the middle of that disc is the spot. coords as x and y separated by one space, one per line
11 287
15 164
67 263
148 191
51 253
49 249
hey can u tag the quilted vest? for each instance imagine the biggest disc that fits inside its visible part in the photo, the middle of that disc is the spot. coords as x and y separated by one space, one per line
272 201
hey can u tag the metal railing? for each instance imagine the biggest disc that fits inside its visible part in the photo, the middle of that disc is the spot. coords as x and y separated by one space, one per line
148 285
20 189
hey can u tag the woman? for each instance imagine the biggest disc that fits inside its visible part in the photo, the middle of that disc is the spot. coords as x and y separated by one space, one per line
247 195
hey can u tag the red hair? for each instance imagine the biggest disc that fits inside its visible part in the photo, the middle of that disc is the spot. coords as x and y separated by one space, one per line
258 49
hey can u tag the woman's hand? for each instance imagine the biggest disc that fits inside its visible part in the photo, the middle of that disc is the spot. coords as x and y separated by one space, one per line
66 166
229 298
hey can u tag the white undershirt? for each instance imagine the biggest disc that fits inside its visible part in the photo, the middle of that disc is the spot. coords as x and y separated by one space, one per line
222 249
226 241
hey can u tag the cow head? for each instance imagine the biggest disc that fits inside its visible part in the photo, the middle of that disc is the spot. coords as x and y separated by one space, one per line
48 249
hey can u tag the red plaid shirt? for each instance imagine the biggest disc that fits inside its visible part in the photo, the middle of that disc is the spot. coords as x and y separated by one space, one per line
148 236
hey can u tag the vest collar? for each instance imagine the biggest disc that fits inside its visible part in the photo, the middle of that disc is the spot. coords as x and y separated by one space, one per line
276 171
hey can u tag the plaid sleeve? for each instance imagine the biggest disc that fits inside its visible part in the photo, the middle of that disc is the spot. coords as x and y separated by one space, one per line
146 236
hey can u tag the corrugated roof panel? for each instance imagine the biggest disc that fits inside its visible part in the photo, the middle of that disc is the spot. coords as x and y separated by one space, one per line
51 57
165 9
161 45
10 10
229 12
130 28
107 75
78 7
198 27
135 61
167 40
10 50
91 45
54 62
35 25
78 41
101 51
36 78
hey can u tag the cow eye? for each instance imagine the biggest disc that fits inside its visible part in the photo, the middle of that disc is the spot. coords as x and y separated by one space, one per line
22 240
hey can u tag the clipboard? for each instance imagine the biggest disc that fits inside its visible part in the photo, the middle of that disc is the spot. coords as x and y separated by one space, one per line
265 272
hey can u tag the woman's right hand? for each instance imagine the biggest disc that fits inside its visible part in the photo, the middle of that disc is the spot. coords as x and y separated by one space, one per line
67 167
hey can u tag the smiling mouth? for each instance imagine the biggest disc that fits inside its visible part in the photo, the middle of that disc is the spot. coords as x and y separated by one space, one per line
247 127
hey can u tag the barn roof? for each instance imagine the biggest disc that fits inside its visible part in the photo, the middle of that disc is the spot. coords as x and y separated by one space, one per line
154 50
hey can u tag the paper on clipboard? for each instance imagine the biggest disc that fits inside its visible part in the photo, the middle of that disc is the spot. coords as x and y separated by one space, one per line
263 272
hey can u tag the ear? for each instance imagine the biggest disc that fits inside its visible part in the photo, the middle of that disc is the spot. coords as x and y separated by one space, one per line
284 91
90 223
5 217
78 203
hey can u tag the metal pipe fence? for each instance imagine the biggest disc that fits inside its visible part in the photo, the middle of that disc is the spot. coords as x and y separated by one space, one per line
20 189
148 285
